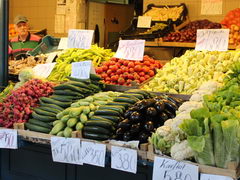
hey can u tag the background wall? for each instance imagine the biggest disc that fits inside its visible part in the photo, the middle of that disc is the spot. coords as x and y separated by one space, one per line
194 7
41 13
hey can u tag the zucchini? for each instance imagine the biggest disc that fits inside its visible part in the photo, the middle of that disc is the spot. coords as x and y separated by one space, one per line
78 84
50 108
72 88
95 77
40 123
115 108
62 98
131 100
42 117
115 119
139 96
37 128
60 134
97 130
126 105
138 91
68 92
94 87
44 113
87 81
101 123
57 128
100 137
67 132
99 118
58 103
107 112
72 122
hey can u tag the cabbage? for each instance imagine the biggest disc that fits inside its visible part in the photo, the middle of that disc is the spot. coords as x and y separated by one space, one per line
26 74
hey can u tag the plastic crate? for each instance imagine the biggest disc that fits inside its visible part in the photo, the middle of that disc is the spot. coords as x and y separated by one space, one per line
48 44
118 1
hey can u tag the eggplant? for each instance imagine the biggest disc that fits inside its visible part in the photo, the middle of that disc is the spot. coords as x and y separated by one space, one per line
169 114
136 117
177 101
119 134
143 137
149 126
163 116
144 104
125 124
158 98
127 136
170 106
160 106
128 113
135 128
151 111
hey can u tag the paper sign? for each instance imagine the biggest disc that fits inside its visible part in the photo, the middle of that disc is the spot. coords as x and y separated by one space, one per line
124 159
93 153
212 39
211 7
167 169
128 144
66 150
8 138
131 49
80 38
63 44
144 21
43 70
214 177
51 57
82 70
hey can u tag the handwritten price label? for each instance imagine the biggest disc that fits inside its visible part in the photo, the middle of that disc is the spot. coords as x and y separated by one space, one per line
131 49
144 21
124 159
8 139
167 169
81 70
214 177
66 150
93 153
80 38
212 39
43 70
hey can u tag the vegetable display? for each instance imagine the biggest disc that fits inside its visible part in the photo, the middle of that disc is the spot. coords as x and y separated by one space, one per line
234 36
232 18
6 91
185 74
126 72
63 67
155 27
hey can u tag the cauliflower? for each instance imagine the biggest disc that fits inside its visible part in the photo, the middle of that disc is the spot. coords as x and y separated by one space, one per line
209 86
179 119
181 151
163 131
189 106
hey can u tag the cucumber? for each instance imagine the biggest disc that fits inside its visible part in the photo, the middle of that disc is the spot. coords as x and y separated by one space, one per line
82 103
137 91
107 112
95 77
67 132
53 107
57 128
39 123
44 113
100 123
126 105
72 88
92 107
72 122
83 118
43 118
139 96
90 114
37 128
75 112
97 130
115 108
94 87
62 98
50 109
68 93
79 126
58 103
78 84
60 134
65 118
86 110
115 119
55 122
131 100
99 118
94 136
87 81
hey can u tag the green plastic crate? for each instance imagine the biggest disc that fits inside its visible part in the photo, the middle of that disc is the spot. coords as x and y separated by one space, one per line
48 44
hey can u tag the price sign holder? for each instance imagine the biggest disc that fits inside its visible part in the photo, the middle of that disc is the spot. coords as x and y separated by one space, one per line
165 169
124 159
212 39
82 70
144 21
8 139
80 38
66 150
131 50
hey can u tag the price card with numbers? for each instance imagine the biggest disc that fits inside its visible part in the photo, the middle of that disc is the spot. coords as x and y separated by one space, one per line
212 39
168 169
214 177
78 38
81 70
8 139
124 159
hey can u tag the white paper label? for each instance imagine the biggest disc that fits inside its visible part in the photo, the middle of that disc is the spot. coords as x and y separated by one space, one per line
131 50
51 57
81 70
66 150
129 144
80 38
212 39
144 21
93 153
63 44
43 70
167 169
124 159
211 7
214 177
8 138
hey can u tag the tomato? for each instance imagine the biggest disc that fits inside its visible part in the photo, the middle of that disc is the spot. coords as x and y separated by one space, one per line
142 79
137 68
119 71
109 71
147 63
108 82
112 62
114 78
137 81
104 75
125 75
121 61
125 69
130 76
131 65
114 68
114 59
108 79
129 81
125 62
136 76
118 64
146 69
138 63
152 66
142 74
112 74
151 73
146 76
121 81
131 70
99 70
104 68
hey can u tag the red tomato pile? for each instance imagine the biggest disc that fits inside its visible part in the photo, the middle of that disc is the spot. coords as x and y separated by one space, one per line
17 106
125 72
231 18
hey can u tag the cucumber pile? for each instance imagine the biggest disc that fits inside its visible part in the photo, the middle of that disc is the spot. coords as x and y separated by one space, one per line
64 95
102 125
73 118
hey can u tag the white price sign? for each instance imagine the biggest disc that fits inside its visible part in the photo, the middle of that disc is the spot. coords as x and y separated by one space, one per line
82 70
8 138
131 49
93 153
63 44
167 169
124 159
144 21
214 177
212 39
80 38
66 150
43 70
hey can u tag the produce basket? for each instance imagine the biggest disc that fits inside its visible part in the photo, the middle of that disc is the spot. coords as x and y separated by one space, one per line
47 45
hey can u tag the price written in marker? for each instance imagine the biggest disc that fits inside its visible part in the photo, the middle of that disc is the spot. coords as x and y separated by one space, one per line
93 153
214 177
43 70
167 169
8 139
66 150
212 39
131 49
124 159
80 38
81 70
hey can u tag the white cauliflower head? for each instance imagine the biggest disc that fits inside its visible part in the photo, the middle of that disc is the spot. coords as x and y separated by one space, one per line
181 151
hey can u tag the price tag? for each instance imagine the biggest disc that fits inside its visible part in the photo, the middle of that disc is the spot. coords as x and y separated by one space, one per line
51 57
80 38
212 39
144 21
131 49
93 153
167 169
82 70
66 150
63 44
214 177
124 159
43 70
8 138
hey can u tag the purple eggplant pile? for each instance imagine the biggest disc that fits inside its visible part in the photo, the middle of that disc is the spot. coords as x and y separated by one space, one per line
145 116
